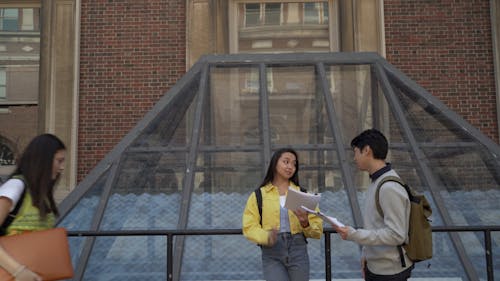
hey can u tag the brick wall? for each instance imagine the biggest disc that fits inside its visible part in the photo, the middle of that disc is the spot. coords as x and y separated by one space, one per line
131 53
446 47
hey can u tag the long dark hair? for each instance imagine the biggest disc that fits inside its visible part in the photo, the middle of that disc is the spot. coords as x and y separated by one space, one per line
35 165
271 170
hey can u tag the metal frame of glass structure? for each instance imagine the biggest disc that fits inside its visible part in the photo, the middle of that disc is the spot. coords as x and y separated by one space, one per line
198 130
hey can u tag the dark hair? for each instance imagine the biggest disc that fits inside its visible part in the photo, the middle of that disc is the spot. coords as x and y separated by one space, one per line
35 165
271 170
375 140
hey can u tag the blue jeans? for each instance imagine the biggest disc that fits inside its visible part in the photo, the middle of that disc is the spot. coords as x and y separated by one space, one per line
287 260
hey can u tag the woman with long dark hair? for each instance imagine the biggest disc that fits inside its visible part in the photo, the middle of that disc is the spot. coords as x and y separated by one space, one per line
281 232
32 187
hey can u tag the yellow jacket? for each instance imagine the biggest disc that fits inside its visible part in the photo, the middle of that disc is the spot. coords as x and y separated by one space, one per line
254 232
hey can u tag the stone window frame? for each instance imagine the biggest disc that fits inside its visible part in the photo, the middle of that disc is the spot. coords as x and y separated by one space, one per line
333 29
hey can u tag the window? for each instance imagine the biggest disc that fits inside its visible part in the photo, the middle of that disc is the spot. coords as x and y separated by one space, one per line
19 52
272 14
316 13
6 153
251 82
3 84
19 19
262 14
293 26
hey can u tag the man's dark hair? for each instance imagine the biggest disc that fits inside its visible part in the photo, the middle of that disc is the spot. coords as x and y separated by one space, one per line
375 140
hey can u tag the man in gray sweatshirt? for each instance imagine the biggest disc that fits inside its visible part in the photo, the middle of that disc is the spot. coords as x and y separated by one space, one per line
380 236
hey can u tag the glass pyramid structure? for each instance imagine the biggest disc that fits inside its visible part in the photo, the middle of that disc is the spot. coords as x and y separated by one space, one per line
193 160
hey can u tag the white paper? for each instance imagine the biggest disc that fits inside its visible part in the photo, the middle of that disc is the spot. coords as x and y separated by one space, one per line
329 219
296 198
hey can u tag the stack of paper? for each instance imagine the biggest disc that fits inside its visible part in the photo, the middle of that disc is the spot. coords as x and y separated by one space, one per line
329 219
295 199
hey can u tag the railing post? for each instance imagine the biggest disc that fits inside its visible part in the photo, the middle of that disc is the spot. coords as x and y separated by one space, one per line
489 256
170 259
328 257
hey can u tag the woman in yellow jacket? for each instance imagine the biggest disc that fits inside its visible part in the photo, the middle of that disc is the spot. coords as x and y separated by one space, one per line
283 232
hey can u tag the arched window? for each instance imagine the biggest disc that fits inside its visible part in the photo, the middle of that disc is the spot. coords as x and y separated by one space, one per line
7 155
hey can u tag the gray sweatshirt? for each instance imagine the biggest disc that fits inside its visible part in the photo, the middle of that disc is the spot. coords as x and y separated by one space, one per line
381 235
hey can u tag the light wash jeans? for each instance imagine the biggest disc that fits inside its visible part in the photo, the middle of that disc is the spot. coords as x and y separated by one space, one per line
287 260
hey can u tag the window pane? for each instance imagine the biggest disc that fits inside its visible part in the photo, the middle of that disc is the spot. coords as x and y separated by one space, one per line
3 94
316 13
273 14
311 13
325 13
252 14
28 19
8 19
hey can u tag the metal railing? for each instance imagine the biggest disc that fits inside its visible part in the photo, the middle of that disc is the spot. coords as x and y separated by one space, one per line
170 234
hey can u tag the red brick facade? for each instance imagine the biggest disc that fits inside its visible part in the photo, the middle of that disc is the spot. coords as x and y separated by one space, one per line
446 47
131 53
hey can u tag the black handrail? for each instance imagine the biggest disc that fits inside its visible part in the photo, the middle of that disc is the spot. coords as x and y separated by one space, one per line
327 231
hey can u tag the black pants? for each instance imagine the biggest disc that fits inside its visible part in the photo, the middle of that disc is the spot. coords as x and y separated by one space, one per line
402 276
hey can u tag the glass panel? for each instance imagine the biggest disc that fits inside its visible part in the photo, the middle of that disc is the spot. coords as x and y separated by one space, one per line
252 14
475 249
315 249
355 101
75 249
28 21
8 19
319 170
273 14
345 259
82 215
495 238
3 84
223 172
146 194
235 258
128 258
229 257
222 184
172 126
311 13
471 184
427 123
232 115
296 106
444 263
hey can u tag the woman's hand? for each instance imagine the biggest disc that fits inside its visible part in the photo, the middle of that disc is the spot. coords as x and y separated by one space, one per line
25 274
272 237
303 217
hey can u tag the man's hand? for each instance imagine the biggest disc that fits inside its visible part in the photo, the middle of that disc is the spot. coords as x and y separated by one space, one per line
342 231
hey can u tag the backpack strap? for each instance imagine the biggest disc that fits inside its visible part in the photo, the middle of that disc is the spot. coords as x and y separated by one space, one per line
381 212
12 215
258 197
